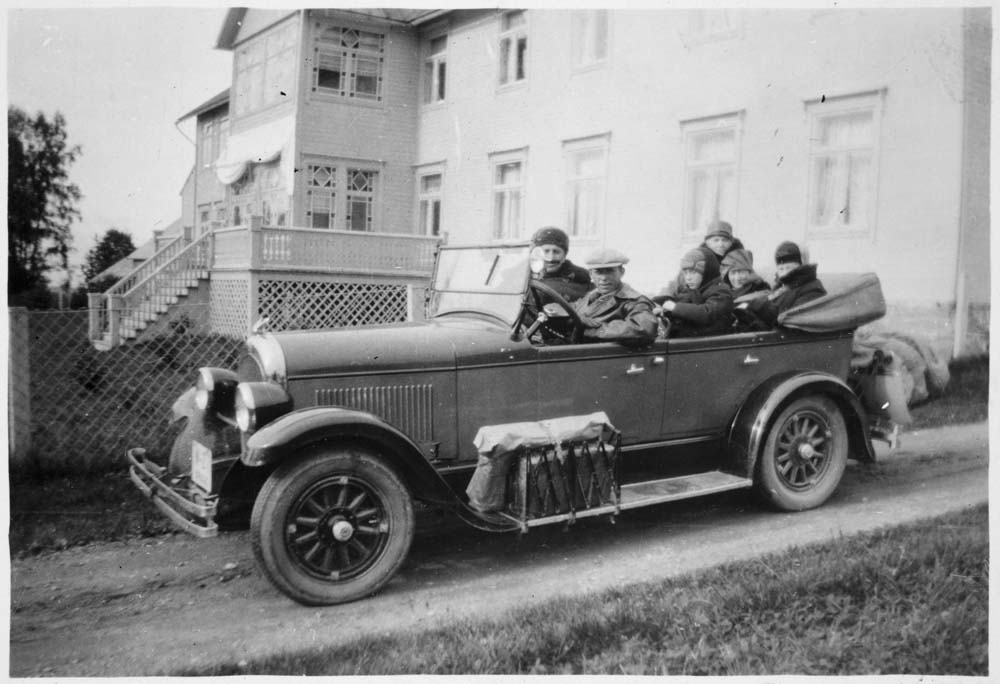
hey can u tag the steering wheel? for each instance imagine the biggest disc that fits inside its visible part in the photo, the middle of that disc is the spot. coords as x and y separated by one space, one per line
532 316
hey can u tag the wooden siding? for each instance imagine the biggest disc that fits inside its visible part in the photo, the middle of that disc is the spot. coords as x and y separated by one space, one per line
658 75
377 132
207 186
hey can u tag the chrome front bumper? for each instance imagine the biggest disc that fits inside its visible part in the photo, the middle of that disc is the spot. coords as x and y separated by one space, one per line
186 505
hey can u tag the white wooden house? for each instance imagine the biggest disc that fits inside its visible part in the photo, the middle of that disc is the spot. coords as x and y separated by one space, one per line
360 138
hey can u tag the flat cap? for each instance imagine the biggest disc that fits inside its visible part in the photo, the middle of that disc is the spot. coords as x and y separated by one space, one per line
605 258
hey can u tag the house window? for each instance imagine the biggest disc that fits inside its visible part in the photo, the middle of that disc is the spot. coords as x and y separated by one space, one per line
341 197
265 70
513 46
211 215
348 62
711 162
260 192
712 23
429 201
586 180
508 197
590 37
843 164
434 70
360 199
209 143
321 196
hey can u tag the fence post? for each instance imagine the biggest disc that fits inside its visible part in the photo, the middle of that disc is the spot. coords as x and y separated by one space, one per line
19 387
95 302
415 302
115 305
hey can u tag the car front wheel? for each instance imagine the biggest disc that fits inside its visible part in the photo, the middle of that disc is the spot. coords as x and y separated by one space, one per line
804 455
332 527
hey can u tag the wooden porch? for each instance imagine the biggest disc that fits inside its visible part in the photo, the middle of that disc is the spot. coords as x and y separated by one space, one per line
296 277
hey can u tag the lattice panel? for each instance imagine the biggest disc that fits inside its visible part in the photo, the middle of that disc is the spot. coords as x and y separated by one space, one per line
301 305
229 302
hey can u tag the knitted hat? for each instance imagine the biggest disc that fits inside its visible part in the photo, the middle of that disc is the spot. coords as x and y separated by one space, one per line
720 228
694 260
738 259
550 235
787 252
605 258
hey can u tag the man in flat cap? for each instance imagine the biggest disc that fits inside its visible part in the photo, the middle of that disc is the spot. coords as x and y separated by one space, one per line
613 311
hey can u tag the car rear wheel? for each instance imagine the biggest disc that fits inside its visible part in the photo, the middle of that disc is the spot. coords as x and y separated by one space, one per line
804 455
332 527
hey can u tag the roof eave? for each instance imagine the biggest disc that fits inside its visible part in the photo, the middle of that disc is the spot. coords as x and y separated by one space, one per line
230 28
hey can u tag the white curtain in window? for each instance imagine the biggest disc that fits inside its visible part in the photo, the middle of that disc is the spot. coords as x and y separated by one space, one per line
258 145
842 176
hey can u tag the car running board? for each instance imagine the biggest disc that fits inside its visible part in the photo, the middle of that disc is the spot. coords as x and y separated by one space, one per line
647 494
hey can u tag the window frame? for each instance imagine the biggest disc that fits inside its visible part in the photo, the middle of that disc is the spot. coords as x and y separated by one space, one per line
257 48
248 193
434 85
507 58
582 23
340 193
423 220
498 232
691 129
700 34
350 57
573 181
832 107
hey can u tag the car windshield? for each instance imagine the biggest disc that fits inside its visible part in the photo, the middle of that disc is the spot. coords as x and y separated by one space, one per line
489 280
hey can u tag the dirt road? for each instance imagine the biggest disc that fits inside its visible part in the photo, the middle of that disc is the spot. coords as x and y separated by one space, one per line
150 607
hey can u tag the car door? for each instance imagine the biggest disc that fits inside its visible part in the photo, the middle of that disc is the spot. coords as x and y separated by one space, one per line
709 378
625 383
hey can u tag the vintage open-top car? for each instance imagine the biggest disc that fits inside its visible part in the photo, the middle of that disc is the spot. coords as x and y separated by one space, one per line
327 438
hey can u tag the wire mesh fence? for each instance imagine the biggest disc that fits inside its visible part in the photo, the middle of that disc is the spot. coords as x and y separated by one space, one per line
88 406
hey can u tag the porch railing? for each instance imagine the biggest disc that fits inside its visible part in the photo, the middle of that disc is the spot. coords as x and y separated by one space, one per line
324 251
150 291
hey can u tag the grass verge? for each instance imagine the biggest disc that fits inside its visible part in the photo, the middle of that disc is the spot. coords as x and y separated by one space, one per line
906 600
55 513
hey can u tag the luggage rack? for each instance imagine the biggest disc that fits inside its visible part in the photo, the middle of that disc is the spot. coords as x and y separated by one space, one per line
572 480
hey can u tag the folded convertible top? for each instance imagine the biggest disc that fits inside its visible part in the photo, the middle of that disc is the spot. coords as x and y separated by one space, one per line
851 300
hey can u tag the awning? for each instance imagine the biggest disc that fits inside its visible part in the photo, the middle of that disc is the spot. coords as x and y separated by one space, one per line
259 145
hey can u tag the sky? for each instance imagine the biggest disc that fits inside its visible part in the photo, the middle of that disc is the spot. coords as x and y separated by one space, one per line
121 77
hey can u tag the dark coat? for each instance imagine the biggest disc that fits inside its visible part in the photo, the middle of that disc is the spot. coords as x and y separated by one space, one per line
621 316
797 287
753 288
571 281
704 311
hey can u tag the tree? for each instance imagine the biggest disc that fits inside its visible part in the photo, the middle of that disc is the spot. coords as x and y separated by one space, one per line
41 201
107 251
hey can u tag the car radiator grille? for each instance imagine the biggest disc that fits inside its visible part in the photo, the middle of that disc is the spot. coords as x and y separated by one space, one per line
408 407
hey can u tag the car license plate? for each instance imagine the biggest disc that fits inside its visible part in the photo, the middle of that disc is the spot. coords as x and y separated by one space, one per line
201 465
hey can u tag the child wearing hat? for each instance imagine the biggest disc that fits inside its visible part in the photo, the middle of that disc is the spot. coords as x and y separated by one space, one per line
703 304
558 272
719 241
738 273
795 284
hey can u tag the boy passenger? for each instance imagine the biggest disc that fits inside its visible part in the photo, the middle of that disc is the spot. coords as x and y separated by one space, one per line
703 304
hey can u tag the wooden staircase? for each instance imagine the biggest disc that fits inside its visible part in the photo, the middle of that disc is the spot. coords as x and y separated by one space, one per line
139 299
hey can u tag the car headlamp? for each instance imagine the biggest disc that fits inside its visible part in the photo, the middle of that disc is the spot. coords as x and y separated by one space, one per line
215 389
258 403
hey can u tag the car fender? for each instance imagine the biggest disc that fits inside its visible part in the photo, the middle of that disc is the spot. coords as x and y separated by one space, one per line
184 406
748 430
296 432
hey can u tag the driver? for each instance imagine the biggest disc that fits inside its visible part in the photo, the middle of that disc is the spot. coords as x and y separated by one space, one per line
613 311
558 272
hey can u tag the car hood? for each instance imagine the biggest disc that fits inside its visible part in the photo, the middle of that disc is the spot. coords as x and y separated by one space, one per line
438 344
